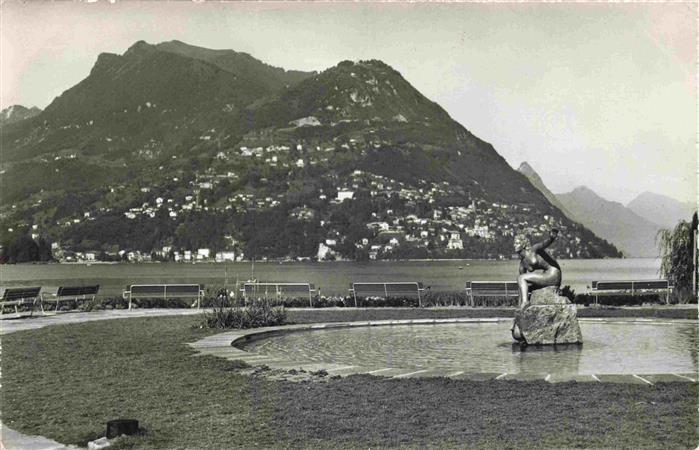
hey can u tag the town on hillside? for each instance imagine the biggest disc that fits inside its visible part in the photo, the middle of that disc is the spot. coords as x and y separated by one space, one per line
357 215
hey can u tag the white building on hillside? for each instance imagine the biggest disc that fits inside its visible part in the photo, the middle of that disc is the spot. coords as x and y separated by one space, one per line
225 256
344 195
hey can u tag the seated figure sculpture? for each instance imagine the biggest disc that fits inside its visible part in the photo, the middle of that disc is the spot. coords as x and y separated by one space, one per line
537 268
553 320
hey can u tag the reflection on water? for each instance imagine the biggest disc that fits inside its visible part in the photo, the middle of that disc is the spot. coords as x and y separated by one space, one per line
486 347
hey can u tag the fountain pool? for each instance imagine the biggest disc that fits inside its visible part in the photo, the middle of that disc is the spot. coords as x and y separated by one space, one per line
610 347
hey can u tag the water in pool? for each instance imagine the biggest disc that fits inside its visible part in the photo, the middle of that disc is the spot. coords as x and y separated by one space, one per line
609 348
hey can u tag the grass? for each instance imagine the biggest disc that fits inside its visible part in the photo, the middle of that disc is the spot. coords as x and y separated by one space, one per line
65 382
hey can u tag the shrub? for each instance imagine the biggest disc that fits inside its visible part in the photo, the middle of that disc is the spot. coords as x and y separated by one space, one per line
567 292
619 300
453 298
217 296
99 304
259 313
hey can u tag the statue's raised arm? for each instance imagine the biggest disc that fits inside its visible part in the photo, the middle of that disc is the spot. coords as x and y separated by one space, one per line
544 244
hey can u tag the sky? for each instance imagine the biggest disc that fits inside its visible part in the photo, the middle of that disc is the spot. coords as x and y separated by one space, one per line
596 94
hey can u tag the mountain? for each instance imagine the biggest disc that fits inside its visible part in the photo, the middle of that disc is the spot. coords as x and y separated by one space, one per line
149 95
661 209
633 234
533 177
240 64
15 113
413 136
181 147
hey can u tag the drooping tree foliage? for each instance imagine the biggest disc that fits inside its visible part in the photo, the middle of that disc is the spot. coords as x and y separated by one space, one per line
677 256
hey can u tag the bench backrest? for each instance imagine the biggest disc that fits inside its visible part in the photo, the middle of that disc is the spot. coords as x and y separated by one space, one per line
630 285
387 288
20 293
75 291
166 290
493 287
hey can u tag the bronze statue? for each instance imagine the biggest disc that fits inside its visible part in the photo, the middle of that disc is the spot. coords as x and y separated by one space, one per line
537 268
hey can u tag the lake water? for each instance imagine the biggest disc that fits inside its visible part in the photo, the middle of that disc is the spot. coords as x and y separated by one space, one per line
333 278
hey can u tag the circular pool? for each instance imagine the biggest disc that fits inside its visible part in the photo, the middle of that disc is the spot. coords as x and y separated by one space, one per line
611 347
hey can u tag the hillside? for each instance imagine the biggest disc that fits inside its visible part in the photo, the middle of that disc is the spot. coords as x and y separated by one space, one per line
172 147
612 221
661 209
534 178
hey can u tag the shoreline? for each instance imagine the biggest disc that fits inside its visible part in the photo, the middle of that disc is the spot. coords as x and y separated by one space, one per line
284 262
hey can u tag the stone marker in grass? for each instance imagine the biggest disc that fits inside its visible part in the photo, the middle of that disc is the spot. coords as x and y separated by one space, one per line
118 427
548 319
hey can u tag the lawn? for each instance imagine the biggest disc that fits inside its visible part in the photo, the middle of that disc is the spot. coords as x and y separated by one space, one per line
65 382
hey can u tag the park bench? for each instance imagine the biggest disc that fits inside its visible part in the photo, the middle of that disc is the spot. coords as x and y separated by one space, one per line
631 287
279 290
164 291
69 293
491 289
25 296
387 289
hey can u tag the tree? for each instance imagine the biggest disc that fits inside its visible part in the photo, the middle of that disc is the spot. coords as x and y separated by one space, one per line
22 249
677 256
44 250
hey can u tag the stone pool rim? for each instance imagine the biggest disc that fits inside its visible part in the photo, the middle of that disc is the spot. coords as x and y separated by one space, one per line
227 345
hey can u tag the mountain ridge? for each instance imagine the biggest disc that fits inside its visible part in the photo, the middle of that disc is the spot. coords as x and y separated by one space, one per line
156 149
613 221
661 209
529 172
240 63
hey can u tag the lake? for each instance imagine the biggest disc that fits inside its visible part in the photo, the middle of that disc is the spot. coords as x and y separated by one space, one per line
333 278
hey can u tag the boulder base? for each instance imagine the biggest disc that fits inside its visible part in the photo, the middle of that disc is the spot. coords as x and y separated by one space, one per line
548 320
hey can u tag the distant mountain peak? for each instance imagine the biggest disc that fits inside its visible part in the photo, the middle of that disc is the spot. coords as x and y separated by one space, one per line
648 195
661 209
139 45
534 178
584 190
16 113
525 167
612 221
528 171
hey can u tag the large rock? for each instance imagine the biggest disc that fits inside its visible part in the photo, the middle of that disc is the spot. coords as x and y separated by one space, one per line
548 320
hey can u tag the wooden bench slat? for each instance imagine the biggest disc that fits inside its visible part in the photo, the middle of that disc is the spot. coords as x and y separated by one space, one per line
164 291
65 293
20 296
387 289
491 289
651 284
73 291
179 289
11 294
630 287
